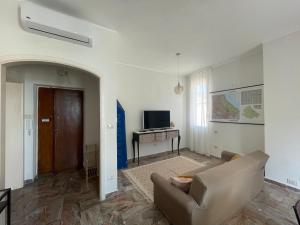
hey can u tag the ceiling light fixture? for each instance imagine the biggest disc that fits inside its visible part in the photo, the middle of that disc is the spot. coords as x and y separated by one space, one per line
178 88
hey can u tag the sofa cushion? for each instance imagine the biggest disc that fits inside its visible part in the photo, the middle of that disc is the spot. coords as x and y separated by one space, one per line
235 157
227 156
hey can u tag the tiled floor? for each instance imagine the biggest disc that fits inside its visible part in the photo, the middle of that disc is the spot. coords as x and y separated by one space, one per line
64 199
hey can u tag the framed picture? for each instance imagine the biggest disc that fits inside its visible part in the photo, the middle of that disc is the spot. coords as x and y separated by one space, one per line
243 105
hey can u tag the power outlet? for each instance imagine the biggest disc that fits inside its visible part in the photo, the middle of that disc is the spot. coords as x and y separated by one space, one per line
292 182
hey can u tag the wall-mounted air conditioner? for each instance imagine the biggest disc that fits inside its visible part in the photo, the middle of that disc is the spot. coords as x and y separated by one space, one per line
47 22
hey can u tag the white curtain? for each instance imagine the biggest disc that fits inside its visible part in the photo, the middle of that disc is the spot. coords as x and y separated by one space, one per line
199 111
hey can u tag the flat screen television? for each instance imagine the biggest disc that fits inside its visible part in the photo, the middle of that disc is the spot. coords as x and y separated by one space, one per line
156 119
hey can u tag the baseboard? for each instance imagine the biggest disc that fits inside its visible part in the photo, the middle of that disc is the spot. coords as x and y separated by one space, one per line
29 181
282 185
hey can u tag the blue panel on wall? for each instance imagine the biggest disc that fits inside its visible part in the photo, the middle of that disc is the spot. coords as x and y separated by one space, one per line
121 137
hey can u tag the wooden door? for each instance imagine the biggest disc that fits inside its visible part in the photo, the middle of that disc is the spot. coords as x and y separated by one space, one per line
68 129
60 124
45 130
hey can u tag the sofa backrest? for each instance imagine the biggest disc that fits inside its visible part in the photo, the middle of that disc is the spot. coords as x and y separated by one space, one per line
224 190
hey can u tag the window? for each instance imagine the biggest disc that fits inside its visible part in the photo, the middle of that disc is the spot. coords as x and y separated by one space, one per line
201 105
199 100
199 111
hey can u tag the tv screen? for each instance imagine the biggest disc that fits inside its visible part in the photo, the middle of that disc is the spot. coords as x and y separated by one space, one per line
156 119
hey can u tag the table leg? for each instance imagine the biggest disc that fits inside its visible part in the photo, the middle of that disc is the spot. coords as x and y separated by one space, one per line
179 138
133 148
138 147
172 145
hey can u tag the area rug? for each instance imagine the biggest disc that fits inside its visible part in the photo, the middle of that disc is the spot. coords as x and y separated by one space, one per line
140 176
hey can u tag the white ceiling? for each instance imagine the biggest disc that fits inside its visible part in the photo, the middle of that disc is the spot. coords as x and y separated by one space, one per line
205 31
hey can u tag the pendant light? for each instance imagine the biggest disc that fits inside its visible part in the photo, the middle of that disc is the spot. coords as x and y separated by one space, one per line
178 88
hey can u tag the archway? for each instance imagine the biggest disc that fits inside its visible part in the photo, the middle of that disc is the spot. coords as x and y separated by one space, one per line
15 60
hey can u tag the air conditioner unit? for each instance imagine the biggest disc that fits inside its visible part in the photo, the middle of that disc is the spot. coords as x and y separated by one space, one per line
49 23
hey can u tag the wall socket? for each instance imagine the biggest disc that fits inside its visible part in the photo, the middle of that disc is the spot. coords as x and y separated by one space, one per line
292 182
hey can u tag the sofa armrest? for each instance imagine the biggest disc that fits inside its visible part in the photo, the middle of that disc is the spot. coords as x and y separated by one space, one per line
176 205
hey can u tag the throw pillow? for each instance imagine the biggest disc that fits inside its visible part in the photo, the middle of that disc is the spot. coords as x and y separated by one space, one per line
235 157
182 183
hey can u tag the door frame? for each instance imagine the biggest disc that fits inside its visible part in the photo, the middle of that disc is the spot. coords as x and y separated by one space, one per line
36 117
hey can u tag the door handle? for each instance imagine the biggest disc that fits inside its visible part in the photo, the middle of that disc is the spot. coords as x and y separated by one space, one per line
45 120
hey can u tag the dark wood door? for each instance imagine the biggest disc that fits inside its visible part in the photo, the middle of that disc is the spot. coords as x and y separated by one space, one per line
45 127
60 135
68 129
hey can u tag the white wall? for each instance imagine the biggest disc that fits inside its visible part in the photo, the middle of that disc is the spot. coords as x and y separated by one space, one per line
18 44
2 134
2 128
33 75
140 90
14 166
282 108
245 70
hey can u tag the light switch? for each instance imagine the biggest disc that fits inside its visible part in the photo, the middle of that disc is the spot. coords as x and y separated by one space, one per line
110 126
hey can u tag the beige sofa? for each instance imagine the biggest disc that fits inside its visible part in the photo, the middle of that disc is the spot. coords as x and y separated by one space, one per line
215 194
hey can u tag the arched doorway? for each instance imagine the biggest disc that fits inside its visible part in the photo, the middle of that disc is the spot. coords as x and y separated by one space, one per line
9 61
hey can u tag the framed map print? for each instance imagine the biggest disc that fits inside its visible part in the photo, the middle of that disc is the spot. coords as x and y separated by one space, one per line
241 105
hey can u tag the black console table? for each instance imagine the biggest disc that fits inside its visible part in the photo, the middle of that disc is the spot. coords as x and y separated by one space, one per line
5 201
150 136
